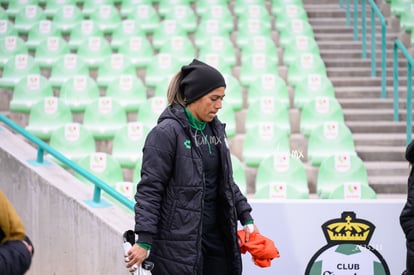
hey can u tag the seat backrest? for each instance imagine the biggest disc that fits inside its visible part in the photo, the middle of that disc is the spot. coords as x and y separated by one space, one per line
17 68
80 34
145 14
151 110
184 14
67 17
107 18
95 51
10 46
269 85
40 31
352 190
66 67
49 50
239 174
115 65
28 16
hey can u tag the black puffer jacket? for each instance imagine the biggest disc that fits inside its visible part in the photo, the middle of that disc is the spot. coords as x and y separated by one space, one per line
169 198
407 214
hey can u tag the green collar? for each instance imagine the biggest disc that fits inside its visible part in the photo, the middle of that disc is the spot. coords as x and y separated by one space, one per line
195 123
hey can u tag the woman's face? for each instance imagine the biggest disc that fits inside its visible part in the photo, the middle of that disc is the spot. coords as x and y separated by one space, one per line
206 107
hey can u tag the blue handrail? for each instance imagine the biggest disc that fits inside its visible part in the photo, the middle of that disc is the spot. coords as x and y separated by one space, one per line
410 63
42 147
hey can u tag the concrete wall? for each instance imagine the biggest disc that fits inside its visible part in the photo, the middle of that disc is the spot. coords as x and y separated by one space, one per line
69 236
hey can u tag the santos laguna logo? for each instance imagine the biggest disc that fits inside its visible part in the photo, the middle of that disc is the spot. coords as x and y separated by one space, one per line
348 250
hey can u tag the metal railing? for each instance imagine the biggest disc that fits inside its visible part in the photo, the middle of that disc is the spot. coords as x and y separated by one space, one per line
375 12
398 45
43 147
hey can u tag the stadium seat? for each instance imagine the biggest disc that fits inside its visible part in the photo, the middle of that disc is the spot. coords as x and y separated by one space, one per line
328 139
278 172
10 46
249 28
78 92
234 93
315 85
128 7
41 31
285 14
90 6
107 18
146 16
80 34
319 110
209 28
184 14
227 116
27 17
48 52
6 27
150 111
128 143
294 28
353 190
31 89
164 6
51 7
166 28
262 141
398 7
67 18
269 85
103 166
47 116
217 61
220 45
267 110
74 141
139 50
239 174
95 51
251 10
129 91
179 46
260 44
127 28
254 66
14 7
162 66
300 44
216 11
115 65
337 170
304 65
67 66
407 18
104 118
16 68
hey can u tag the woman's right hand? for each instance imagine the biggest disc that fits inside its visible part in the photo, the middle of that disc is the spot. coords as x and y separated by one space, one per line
136 255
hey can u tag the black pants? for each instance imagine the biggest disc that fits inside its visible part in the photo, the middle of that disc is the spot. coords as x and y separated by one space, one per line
215 258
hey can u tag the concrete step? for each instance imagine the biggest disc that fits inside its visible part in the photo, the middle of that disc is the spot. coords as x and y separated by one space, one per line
368 114
383 139
366 82
375 153
371 92
376 127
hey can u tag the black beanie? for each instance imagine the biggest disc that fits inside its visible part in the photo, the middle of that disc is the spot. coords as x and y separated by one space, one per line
198 79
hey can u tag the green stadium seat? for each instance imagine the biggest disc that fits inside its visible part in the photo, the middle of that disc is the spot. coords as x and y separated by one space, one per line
254 66
139 50
164 6
115 65
287 14
90 6
304 65
147 17
262 141
294 28
184 14
328 139
80 34
398 7
227 116
128 28
16 68
319 110
7 28
222 46
251 10
267 110
209 28
300 44
239 174
107 18
353 190
47 116
51 7
128 143
163 65
260 44
95 51
104 118
30 89
74 141
129 91
216 11
278 6
281 176
128 7
27 17
217 61
67 18
11 46
166 28
103 166
407 18
39 32
78 92
315 85
181 47
14 7
249 28
269 85
136 176
162 87
150 111
337 170
67 66
48 52
234 93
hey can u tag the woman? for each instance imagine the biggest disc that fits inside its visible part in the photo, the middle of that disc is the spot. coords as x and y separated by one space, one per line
187 204
407 214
